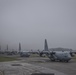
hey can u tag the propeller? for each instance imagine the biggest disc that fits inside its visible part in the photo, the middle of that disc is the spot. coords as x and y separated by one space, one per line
71 54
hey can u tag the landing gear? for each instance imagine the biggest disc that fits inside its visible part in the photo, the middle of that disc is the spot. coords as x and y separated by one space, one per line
60 60
67 61
41 54
64 60
52 59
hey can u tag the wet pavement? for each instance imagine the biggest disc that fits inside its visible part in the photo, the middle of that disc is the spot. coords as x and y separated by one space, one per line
67 68
21 68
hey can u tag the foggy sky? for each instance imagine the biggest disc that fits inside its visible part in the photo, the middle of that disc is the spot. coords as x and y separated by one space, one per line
31 21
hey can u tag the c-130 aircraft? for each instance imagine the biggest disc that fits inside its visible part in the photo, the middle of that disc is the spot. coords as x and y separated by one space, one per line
56 55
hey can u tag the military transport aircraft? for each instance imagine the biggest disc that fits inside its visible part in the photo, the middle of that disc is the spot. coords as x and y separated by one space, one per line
56 55
24 53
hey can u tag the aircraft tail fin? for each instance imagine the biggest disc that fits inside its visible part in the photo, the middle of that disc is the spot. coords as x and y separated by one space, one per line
45 46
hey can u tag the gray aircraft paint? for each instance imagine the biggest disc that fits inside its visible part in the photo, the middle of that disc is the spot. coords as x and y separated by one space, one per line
56 55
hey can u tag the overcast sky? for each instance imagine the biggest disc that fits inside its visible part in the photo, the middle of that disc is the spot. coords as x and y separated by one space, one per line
31 21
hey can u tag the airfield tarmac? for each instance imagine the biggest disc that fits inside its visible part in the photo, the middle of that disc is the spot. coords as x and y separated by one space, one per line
67 68
28 65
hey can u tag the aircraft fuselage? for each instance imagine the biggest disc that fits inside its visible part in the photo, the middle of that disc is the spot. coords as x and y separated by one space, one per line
61 56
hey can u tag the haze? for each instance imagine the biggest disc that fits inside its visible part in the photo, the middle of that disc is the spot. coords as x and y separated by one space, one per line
31 21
